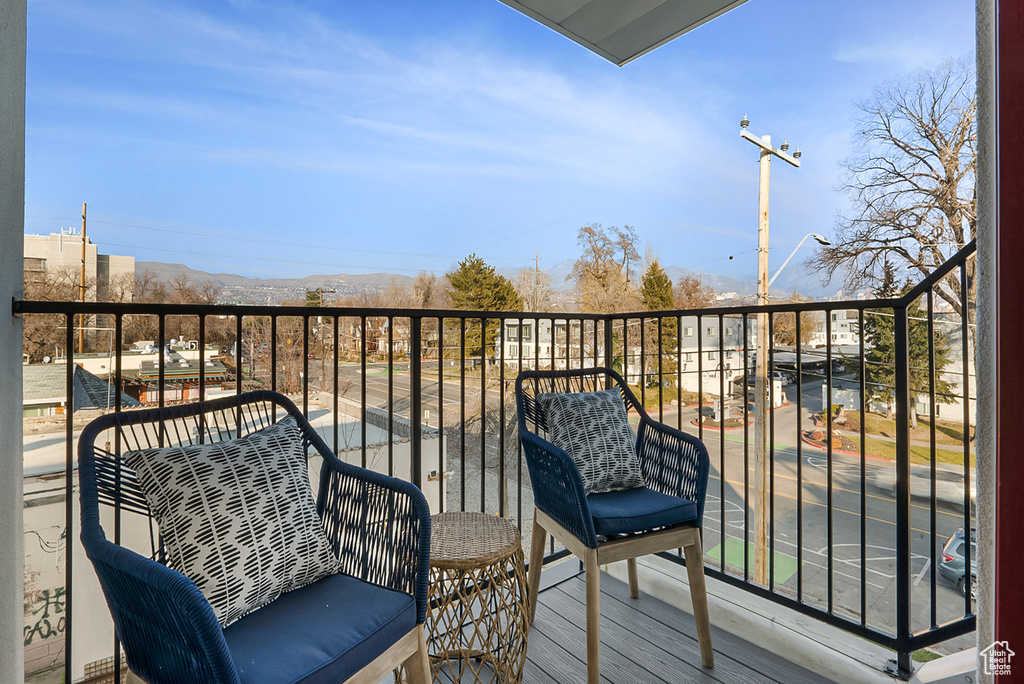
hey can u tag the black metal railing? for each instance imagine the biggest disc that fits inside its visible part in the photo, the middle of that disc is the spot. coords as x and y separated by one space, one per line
857 517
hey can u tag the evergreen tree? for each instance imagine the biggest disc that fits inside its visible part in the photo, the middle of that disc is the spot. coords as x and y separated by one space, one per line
656 291
475 286
880 362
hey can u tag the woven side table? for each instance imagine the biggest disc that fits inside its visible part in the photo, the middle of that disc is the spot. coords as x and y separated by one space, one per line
477 621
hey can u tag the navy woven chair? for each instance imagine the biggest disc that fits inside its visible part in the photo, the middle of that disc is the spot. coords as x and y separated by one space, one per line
356 624
663 512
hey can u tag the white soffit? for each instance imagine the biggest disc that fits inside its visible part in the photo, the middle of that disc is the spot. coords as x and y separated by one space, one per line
622 30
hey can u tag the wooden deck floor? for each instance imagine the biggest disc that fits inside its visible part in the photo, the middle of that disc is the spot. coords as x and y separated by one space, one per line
643 641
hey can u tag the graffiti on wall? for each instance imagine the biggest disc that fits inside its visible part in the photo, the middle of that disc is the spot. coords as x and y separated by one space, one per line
44 613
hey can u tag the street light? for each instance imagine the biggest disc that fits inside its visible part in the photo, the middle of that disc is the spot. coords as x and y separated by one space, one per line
821 240
761 368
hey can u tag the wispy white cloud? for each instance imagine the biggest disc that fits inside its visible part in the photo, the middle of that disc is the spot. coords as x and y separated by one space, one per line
320 87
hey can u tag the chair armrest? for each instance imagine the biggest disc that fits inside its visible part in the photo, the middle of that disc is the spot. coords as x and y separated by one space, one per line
169 631
673 462
379 527
557 487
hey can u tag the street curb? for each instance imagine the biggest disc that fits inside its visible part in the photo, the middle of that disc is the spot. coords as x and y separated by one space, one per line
694 423
808 442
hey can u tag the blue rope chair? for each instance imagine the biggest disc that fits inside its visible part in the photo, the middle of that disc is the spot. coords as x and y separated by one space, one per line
355 626
603 528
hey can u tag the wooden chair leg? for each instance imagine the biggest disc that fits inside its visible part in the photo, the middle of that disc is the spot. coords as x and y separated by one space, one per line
417 666
536 561
593 617
634 581
699 597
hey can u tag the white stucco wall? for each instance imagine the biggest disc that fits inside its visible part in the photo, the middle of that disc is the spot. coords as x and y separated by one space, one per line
12 212
986 402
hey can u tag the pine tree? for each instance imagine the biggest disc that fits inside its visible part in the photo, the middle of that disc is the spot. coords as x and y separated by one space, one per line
656 291
475 286
880 362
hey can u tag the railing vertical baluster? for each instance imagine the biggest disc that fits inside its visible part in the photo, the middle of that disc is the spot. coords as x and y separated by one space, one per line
679 372
502 494
391 395
118 342
273 353
363 335
69 490
965 359
202 370
771 452
700 385
416 408
334 383
863 475
441 456
305 366
829 510
609 360
932 465
798 374
903 570
746 449
238 357
462 408
661 382
161 332
519 446
643 361
483 413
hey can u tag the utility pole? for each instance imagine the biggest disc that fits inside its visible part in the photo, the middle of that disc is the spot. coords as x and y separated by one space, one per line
81 317
761 406
536 278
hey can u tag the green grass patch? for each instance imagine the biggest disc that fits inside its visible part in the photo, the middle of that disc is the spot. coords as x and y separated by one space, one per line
783 568
918 454
924 655
945 432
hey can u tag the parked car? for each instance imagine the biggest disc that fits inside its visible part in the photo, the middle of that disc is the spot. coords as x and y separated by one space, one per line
953 563
784 378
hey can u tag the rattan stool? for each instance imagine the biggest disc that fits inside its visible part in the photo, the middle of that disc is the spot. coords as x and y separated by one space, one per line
477 620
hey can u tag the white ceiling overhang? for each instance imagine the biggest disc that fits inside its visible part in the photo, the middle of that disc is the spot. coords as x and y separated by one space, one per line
622 30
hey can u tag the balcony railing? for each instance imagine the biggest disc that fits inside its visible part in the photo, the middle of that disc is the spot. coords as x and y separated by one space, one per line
857 516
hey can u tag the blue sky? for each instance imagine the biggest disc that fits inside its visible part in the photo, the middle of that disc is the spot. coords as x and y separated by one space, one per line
281 139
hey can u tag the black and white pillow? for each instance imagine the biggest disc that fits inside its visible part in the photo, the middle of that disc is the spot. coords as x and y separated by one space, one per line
238 516
592 427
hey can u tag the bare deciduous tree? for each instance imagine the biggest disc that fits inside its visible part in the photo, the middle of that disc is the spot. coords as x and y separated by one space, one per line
605 272
911 181
691 293
45 333
534 288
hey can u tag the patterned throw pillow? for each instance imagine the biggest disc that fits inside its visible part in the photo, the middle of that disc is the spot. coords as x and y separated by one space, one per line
238 517
592 428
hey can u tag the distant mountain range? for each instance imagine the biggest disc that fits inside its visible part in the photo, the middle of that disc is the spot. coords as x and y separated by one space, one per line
238 289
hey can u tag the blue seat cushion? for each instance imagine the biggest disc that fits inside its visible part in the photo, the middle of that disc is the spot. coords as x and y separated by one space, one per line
637 510
323 632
